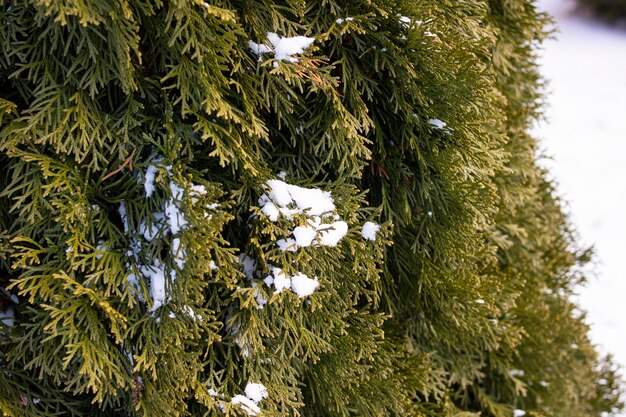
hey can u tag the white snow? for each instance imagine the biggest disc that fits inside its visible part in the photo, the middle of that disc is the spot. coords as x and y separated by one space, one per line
519 413
333 233
270 210
179 253
516 372
285 199
281 281
156 274
151 230
197 190
7 317
304 235
13 297
191 313
299 283
256 392
246 405
260 298
283 47
175 217
369 230
287 245
249 265
341 20
311 201
259 48
584 135
436 123
302 285
122 211
149 182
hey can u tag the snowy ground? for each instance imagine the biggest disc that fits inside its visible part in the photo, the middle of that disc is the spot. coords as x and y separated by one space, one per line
586 137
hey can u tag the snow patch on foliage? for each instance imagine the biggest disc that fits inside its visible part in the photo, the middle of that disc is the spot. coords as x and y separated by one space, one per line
14 299
249 265
155 273
299 283
149 181
123 215
519 413
283 48
175 217
255 391
254 394
169 221
246 405
7 317
437 124
302 285
369 230
287 200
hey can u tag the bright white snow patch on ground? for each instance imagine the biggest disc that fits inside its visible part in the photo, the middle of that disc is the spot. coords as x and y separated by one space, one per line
282 47
369 230
586 68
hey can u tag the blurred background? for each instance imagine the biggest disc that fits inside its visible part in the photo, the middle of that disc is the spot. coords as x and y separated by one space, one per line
584 141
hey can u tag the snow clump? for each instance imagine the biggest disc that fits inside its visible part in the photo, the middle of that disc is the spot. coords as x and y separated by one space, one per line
286 200
256 392
302 285
437 124
369 230
246 405
299 283
283 47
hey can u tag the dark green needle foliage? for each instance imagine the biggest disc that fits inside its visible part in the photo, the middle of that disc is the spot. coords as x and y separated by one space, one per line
293 208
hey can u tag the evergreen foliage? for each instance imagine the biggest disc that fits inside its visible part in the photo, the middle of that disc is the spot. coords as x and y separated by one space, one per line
185 191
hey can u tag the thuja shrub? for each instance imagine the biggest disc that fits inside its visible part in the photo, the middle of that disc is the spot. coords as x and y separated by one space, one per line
314 208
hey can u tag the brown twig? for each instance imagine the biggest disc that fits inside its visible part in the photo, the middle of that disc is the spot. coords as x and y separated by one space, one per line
128 161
